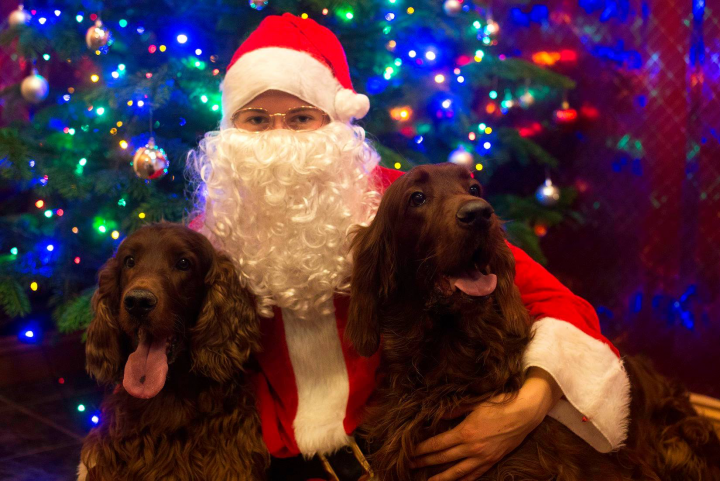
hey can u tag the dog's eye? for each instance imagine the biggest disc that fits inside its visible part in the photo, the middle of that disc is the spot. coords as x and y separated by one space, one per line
183 264
129 262
417 199
475 190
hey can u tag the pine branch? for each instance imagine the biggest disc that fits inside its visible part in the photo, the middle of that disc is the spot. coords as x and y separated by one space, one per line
13 300
524 149
521 234
13 156
75 314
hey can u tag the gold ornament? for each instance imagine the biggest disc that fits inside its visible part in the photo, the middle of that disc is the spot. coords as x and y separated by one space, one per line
150 162
548 194
34 88
98 36
20 16
452 7
460 156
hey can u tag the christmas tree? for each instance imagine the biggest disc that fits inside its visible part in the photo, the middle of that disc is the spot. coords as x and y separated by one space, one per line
102 102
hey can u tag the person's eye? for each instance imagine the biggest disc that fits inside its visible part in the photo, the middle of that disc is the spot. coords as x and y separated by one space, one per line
475 190
183 264
257 120
303 119
417 199
129 262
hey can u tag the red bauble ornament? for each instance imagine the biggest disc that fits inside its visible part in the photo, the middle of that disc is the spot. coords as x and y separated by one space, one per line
565 115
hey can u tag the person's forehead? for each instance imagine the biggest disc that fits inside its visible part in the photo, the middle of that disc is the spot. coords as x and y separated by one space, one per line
276 101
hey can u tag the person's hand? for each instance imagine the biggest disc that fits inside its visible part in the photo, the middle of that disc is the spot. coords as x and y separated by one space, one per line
489 431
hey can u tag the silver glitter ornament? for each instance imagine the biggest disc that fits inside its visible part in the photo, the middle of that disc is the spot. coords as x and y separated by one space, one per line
150 162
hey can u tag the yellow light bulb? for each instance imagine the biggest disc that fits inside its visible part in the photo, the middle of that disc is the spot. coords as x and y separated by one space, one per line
34 286
123 144
141 215
94 77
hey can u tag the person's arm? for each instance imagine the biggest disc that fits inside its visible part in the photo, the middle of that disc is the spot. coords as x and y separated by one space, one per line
574 374
568 345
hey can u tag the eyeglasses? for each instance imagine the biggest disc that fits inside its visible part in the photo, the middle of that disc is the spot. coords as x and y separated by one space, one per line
298 119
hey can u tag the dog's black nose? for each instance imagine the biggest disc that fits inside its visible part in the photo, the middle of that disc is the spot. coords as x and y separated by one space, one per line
139 302
475 212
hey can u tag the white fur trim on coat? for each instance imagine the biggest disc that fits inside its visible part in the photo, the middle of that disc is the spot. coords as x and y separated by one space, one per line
591 377
291 71
323 384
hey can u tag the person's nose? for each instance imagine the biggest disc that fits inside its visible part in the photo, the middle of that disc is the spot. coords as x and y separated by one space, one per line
276 122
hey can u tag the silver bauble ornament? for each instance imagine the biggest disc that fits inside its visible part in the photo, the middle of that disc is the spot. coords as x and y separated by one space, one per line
452 7
150 162
460 156
19 17
548 194
98 36
491 27
527 99
34 88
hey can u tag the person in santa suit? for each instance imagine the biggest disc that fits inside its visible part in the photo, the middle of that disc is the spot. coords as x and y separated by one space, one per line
279 186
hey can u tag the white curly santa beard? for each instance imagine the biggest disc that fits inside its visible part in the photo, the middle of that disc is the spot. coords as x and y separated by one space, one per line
282 204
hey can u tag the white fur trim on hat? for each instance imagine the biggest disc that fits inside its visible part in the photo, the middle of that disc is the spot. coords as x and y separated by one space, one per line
291 71
349 105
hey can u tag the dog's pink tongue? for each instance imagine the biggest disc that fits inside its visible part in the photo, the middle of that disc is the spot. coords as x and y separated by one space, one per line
475 283
146 369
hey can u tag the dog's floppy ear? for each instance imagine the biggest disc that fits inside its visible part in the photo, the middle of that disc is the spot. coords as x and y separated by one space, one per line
506 293
102 349
372 282
227 330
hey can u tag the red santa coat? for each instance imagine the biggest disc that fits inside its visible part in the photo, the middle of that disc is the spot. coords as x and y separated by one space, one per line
313 385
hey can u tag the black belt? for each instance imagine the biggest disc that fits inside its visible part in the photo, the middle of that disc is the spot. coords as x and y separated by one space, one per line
346 464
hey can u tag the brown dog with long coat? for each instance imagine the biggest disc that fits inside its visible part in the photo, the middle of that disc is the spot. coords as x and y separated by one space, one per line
432 287
173 331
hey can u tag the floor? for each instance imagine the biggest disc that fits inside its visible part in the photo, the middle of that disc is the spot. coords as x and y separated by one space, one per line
41 427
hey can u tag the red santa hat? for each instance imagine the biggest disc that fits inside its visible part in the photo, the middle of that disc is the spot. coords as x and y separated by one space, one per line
297 56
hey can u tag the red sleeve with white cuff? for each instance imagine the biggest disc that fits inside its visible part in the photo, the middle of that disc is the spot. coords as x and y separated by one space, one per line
567 343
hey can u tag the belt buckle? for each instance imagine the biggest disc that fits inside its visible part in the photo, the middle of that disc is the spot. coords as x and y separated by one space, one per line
359 456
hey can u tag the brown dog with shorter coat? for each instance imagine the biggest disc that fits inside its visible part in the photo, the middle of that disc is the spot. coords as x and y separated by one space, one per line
174 329
433 288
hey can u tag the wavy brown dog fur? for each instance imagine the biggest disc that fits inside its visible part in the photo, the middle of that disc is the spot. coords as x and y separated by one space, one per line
202 425
442 348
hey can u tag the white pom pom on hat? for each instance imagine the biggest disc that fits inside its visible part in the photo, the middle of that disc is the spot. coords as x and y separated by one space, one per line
350 104
296 56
